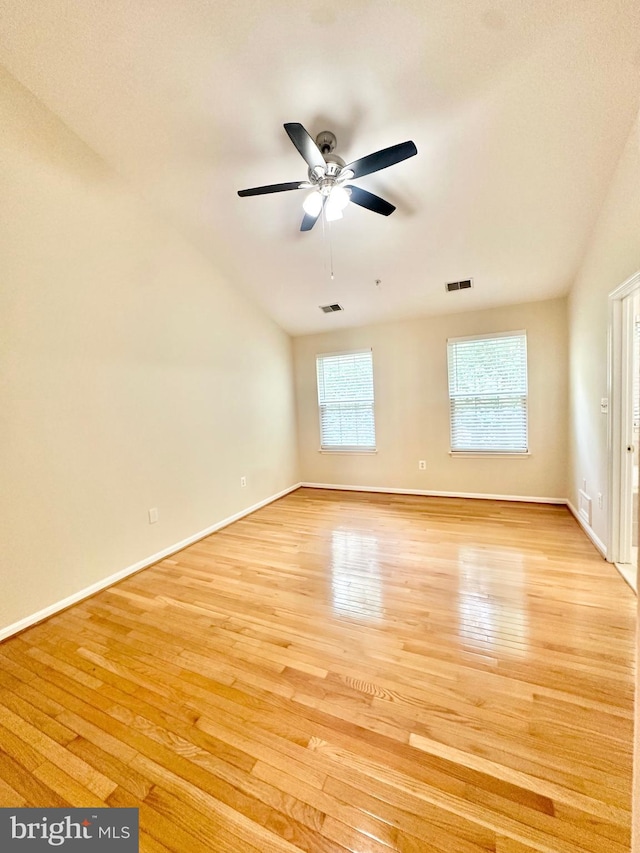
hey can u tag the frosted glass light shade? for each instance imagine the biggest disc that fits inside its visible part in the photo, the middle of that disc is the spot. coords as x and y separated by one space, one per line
332 212
340 197
336 203
313 203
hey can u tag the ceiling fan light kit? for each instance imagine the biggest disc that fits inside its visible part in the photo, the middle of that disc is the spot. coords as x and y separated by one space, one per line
328 175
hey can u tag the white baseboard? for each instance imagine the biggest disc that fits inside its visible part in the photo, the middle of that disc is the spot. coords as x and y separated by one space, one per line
433 494
28 621
587 529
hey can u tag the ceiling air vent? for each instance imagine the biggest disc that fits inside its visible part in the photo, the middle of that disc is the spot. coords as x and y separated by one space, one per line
459 285
329 309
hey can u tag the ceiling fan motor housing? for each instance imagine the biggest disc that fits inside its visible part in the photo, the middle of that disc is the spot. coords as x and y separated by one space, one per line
326 142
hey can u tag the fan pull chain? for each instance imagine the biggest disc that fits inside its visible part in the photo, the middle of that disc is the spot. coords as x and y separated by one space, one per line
324 238
326 227
330 253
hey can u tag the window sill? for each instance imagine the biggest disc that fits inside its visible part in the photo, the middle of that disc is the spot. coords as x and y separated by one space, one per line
353 450
488 454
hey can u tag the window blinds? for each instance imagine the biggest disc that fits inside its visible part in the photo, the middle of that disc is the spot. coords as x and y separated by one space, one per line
345 400
488 393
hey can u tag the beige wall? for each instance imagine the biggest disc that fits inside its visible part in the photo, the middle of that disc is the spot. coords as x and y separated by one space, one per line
613 255
131 375
412 405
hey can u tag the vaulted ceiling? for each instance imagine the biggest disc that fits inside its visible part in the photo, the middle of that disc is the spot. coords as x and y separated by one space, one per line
519 110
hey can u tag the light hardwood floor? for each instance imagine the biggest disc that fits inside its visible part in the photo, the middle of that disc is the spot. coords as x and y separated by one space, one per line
342 672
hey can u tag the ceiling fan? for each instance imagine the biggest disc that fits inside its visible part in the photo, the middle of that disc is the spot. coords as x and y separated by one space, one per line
328 176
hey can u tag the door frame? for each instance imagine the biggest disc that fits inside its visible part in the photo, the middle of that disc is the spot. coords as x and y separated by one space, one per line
618 390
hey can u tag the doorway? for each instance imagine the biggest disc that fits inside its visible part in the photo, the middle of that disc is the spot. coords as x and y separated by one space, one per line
624 422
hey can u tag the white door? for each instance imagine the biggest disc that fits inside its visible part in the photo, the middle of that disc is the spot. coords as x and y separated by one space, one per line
630 411
625 428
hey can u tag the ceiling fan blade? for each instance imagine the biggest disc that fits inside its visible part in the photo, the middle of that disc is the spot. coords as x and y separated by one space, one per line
308 221
381 159
305 145
370 201
274 188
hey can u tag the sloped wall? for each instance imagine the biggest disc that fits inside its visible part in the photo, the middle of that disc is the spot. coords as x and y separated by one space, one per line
131 375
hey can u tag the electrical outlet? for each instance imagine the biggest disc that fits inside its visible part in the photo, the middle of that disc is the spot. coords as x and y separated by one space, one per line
599 500
422 465
153 515
243 482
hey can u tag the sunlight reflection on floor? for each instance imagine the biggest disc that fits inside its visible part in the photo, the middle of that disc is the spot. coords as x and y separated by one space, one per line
492 621
356 583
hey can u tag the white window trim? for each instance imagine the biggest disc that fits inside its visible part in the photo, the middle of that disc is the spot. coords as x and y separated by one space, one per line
515 454
489 454
488 337
346 449
344 352
354 451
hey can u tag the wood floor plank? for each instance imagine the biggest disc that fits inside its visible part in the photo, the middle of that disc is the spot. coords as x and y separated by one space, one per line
9 797
30 790
164 820
73 792
439 828
342 672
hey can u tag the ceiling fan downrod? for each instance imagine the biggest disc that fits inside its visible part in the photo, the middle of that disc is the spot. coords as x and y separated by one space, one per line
326 141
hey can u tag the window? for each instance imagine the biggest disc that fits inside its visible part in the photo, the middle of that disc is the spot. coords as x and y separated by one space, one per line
345 400
488 393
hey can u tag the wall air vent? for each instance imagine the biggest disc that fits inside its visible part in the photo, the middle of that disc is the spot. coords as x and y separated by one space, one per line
459 285
329 309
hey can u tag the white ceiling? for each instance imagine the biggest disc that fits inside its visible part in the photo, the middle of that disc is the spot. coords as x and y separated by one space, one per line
519 110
